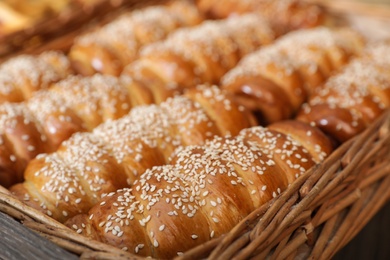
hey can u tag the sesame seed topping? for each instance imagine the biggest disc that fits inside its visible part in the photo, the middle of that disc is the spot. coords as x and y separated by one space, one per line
122 36
215 39
36 71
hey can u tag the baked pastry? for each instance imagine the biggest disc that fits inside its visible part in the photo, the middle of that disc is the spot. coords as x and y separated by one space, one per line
276 80
285 15
352 99
203 193
114 155
52 116
23 75
110 47
199 54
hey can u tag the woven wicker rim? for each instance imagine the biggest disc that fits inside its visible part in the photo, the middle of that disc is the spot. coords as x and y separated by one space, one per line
313 219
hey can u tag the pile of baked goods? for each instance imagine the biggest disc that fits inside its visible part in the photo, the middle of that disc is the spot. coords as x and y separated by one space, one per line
167 126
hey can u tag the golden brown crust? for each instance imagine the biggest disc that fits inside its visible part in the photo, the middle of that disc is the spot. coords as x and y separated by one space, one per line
284 15
312 138
352 99
94 99
114 155
23 75
276 80
202 194
57 120
42 123
21 139
339 123
200 54
162 67
66 182
229 117
110 48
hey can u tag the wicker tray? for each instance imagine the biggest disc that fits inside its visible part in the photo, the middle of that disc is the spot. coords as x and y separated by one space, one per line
313 219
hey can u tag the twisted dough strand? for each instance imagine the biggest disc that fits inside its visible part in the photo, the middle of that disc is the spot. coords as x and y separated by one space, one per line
285 15
199 54
51 116
202 194
23 75
277 79
352 99
109 48
71 180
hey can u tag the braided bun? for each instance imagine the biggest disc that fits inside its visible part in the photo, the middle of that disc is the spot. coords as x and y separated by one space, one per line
114 155
203 193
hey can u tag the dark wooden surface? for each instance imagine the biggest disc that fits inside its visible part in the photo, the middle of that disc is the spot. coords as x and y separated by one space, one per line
19 243
373 242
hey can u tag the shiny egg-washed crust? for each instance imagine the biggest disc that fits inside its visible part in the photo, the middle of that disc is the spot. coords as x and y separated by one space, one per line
285 15
51 116
23 75
276 80
352 99
200 54
108 49
114 155
204 191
